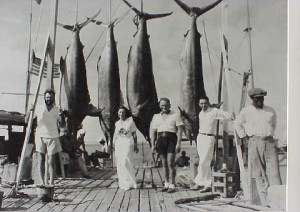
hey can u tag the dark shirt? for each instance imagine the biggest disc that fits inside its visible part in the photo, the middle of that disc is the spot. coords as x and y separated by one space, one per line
182 161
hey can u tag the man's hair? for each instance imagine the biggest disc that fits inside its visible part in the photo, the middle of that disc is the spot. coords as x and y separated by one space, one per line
49 91
102 141
183 153
164 99
204 97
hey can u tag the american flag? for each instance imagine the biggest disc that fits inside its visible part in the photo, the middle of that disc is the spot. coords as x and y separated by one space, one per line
36 63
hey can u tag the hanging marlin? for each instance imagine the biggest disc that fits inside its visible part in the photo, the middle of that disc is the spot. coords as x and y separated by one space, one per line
74 82
192 85
109 93
140 84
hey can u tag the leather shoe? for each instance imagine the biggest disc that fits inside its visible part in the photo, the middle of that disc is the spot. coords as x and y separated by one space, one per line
164 189
171 190
205 189
196 187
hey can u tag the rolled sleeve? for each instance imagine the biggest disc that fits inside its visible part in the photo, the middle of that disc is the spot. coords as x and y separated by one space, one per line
239 125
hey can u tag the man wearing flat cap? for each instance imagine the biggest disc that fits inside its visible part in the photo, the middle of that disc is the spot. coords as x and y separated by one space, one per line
257 123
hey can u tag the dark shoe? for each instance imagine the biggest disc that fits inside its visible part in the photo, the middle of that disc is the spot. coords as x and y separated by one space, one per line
171 190
164 189
196 187
205 189
87 176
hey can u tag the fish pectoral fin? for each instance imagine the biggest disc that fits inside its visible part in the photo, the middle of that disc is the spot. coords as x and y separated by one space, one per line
94 111
141 106
132 7
98 69
129 53
62 66
217 105
65 26
153 16
185 7
83 24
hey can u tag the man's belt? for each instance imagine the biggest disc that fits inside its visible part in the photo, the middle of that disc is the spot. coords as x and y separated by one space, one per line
166 133
206 134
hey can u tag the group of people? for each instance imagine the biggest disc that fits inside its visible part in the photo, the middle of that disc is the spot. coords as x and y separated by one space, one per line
255 123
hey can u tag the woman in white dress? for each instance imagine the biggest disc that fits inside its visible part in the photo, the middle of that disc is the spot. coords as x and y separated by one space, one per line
125 142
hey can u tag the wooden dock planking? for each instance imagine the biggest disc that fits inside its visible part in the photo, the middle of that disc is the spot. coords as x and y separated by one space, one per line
175 196
148 179
79 195
125 202
108 174
154 200
30 206
161 200
169 203
70 194
144 200
100 175
107 200
134 201
157 180
117 201
233 208
88 199
102 190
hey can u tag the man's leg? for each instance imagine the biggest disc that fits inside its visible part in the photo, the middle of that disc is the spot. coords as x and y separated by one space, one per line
166 172
40 165
272 163
166 167
171 160
51 164
205 147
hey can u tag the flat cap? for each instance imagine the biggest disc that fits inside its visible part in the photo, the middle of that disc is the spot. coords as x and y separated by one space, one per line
254 92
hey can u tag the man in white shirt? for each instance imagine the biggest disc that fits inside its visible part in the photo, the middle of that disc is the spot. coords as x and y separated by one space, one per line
166 133
49 119
205 142
257 123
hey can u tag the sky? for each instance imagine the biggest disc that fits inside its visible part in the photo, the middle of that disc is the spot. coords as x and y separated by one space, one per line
268 36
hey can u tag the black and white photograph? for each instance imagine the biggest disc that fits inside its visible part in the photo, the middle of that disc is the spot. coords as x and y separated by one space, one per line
149 105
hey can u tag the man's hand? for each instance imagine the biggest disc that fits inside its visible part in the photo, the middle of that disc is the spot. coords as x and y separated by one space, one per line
136 149
232 117
178 148
153 147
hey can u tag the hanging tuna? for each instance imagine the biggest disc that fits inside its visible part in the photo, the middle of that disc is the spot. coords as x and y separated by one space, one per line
74 82
140 84
192 85
109 96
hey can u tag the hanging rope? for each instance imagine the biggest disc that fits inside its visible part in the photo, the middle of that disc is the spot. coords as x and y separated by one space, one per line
95 45
238 49
77 11
120 19
230 69
38 27
212 71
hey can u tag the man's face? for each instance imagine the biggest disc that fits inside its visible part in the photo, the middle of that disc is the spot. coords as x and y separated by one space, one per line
164 106
203 103
49 99
258 101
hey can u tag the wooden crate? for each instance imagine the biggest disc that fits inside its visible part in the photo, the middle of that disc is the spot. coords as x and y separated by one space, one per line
224 183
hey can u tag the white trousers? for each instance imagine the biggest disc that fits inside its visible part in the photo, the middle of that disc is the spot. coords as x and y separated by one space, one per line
205 148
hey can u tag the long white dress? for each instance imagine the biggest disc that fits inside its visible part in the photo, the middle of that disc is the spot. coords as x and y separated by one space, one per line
124 152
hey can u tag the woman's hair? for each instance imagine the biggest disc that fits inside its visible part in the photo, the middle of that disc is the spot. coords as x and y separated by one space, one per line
127 111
